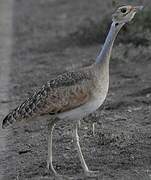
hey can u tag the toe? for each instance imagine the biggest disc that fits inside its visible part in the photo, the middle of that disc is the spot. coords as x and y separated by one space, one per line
92 173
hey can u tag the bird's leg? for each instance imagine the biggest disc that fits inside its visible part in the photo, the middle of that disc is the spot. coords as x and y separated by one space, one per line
51 126
93 129
79 123
83 163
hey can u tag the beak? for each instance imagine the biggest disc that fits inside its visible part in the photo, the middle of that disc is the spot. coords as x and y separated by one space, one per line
137 8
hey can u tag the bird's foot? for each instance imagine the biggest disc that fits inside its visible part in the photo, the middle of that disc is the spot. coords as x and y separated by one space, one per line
51 169
89 173
56 175
62 177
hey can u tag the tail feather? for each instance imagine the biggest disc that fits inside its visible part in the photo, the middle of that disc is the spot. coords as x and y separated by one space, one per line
33 106
9 119
18 114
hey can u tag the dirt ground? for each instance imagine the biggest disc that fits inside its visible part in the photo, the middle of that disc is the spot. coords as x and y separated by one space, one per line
46 42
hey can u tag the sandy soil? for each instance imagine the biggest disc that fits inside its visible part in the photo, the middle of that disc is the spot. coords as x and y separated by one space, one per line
43 46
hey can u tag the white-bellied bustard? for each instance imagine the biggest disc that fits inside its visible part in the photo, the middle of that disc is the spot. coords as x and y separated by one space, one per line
75 94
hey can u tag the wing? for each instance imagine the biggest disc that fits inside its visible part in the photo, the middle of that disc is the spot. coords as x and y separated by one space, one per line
60 94
66 92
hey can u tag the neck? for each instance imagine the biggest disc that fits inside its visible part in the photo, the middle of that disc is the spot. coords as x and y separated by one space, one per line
105 53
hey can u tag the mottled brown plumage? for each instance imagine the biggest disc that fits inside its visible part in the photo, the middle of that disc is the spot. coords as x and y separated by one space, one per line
63 93
75 94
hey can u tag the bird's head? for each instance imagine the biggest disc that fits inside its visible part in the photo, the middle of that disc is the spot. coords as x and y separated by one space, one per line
125 14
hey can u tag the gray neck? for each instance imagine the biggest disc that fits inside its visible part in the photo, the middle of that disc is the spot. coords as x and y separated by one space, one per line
105 53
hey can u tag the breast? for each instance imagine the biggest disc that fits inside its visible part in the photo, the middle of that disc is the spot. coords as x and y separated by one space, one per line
98 95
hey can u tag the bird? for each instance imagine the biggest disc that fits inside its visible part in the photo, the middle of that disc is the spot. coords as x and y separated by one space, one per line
74 94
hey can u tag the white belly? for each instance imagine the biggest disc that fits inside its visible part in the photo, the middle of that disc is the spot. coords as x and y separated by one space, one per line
82 111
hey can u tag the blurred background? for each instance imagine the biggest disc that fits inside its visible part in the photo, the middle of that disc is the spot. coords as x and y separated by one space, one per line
40 39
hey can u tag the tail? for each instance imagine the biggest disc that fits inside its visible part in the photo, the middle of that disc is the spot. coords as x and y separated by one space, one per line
21 112
9 119
33 106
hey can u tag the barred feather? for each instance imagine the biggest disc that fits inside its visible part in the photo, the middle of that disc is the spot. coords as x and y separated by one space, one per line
61 94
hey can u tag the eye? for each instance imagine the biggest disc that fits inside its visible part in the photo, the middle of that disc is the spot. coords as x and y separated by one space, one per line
123 10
